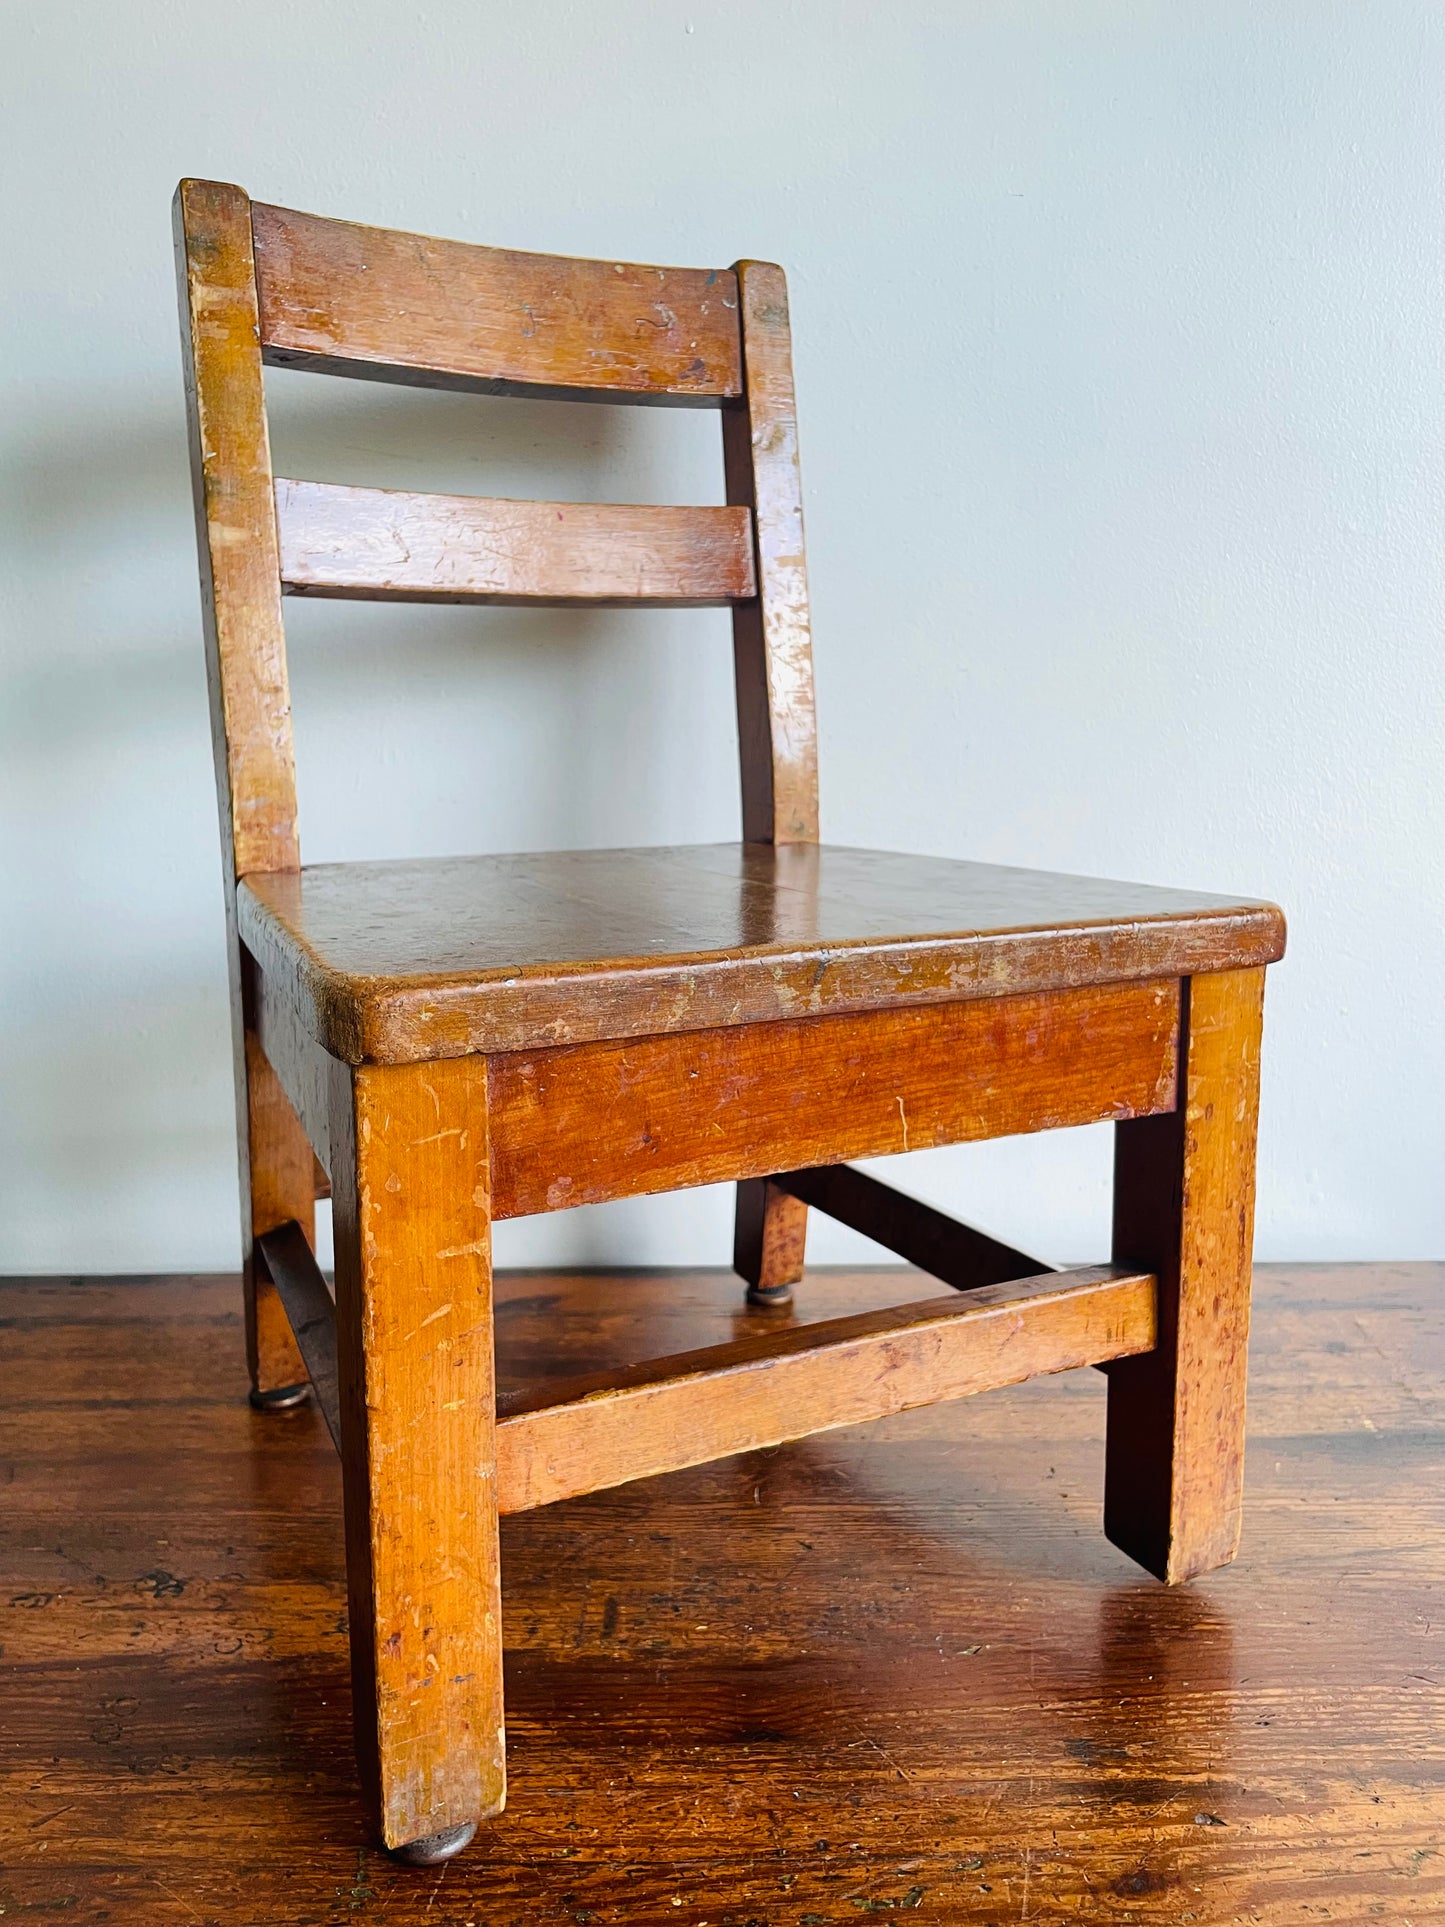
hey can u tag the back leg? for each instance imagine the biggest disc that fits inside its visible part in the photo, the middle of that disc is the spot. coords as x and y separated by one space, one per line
770 1229
278 1182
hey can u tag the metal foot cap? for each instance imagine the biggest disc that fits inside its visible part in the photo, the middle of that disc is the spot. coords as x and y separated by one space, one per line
435 1847
282 1399
770 1294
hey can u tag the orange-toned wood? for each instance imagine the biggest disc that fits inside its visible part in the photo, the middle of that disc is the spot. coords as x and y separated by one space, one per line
383 545
236 527
673 1412
397 307
301 1065
404 961
414 1343
250 706
558 1442
478 1038
278 1186
773 676
957 1253
293 1270
772 639
770 1231
1184 1204
707 1106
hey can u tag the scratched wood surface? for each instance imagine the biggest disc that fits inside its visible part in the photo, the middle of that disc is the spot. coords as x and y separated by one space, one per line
772 637
400 961
607 1427
346 299
1184 1206
380 544
414 1349
745 1102
890 1671
249 695
397 307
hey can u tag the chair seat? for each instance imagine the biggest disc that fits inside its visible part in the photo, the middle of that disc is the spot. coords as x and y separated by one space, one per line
402 961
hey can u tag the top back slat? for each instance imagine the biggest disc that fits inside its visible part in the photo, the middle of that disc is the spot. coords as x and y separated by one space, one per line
365 301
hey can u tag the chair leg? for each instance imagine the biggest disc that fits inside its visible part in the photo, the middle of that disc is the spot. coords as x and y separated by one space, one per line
410 1189
278 1182
770 1229
1184 1205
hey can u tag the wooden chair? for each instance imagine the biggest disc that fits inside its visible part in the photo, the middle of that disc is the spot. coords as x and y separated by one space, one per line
462 1041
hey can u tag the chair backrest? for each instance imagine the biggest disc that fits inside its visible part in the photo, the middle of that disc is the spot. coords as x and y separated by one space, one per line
262 284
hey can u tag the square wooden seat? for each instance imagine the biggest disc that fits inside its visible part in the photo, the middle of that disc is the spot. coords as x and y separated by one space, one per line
400 961
448 1043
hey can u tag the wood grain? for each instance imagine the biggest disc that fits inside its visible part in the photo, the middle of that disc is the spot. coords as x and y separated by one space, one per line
770 1231
708 1106
956 1253
892 1664
482 1038
1184 1204
670 1413
773 681
414 1342
346 299
249 698
760 1391
293 1270
383 545
236 527
397 962
277 1187
772 637
297 1062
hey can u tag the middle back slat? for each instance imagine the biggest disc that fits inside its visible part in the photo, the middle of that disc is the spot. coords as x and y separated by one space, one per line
383 545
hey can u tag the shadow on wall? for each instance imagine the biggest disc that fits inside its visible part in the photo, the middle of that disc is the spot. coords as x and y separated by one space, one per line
419 730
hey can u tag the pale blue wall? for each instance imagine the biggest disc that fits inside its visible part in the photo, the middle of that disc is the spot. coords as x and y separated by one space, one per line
1119 355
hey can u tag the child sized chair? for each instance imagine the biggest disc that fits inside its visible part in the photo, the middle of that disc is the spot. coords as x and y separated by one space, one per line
468 1040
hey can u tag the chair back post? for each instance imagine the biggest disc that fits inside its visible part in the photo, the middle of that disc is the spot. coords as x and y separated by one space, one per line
772 636
236 529
250 713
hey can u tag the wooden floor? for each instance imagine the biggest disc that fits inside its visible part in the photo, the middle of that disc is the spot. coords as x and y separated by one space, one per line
889 1670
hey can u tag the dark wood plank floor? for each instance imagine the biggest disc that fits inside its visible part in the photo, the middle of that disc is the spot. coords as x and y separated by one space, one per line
893 1670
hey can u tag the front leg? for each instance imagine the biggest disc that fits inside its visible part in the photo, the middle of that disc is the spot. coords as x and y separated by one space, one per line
1184 1206
411 1202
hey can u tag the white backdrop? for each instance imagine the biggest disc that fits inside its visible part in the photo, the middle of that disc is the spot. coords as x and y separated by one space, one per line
1119 358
